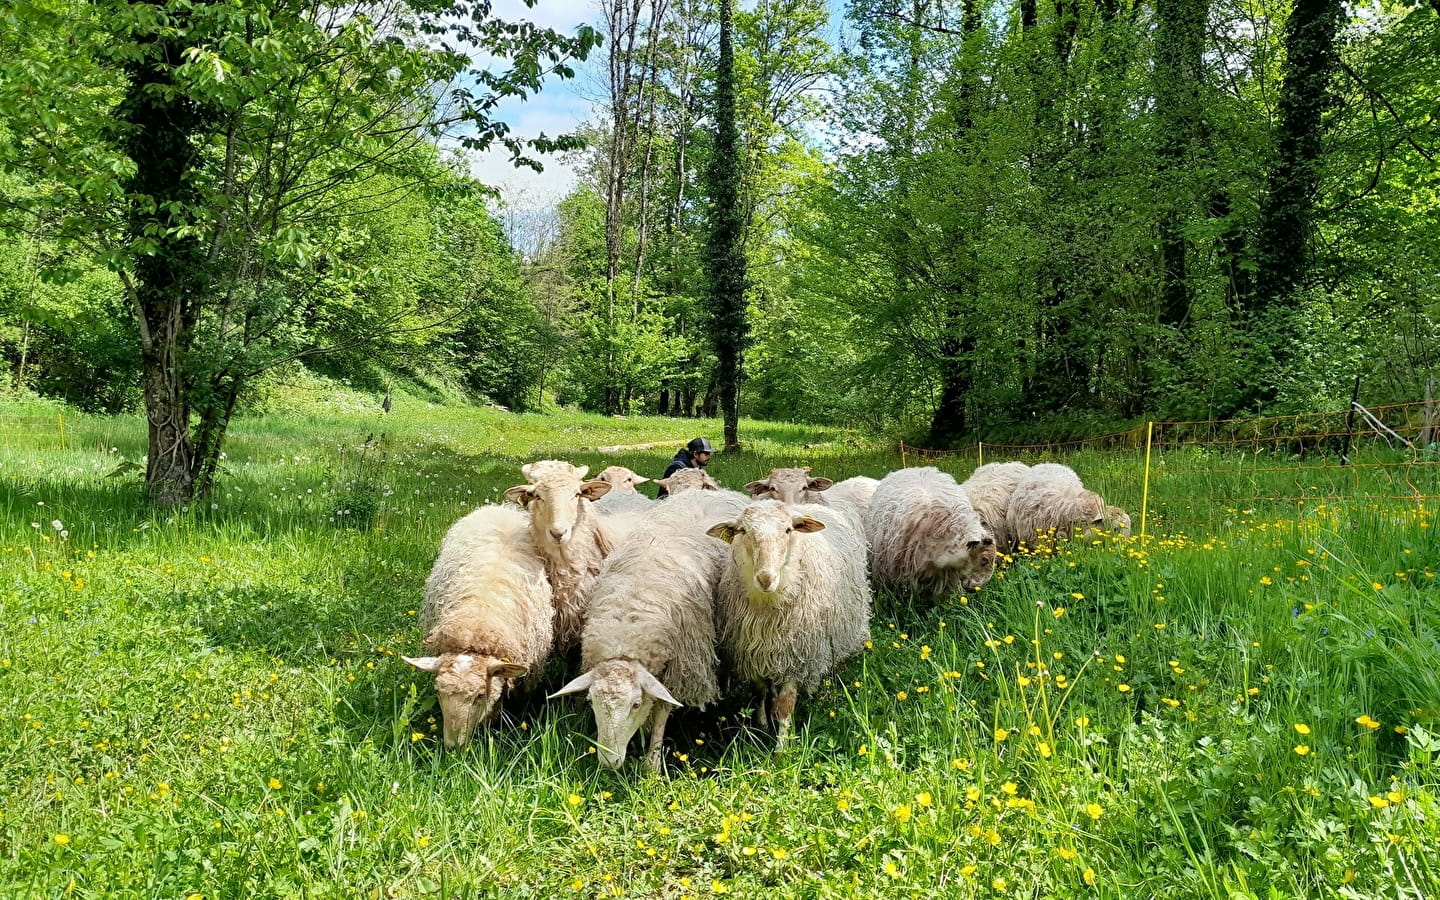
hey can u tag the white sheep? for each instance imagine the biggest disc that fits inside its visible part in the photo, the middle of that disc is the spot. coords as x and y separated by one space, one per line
1050 502
649 642
619 502
794 602
572 538
989 489
487 614
682 480
621 479
794 485
857 491
924 535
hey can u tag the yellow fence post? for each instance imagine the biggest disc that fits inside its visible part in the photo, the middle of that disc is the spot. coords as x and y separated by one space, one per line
1145 488
903 463
980 448
60 419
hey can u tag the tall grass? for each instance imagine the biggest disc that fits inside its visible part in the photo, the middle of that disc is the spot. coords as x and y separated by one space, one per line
209 701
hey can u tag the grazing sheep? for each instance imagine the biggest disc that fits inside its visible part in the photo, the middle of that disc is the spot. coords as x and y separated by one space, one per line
789 486
925 535
487 615
621 480
649 642
857 491
1050 502
572 538
688 480
794 602
989 488
1117 519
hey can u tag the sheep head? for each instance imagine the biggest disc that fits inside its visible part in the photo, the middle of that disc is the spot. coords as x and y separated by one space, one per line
621 479
1111 518
788 486
556 498
470 686
968 549
623 695
763 539
688 480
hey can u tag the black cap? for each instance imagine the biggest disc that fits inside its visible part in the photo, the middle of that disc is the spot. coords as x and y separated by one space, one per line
699 445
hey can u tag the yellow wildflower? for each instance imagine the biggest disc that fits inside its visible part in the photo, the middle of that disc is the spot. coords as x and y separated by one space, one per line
1094 810
1089 876
1302 728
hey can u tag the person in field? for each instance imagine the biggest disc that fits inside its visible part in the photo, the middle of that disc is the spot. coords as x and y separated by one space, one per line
694 455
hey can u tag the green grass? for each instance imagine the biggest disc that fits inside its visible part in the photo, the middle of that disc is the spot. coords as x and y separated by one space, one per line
209 701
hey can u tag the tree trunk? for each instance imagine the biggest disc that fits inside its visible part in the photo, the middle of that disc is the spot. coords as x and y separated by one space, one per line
160 123
949 423
1179 77
725 254
1282 240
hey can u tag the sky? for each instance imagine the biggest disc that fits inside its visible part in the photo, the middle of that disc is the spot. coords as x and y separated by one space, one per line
559 107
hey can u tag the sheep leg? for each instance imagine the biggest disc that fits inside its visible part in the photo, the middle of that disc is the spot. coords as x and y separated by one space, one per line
762 719
657 736
784 709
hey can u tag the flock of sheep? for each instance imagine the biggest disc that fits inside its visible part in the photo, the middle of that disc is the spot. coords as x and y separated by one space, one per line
670 599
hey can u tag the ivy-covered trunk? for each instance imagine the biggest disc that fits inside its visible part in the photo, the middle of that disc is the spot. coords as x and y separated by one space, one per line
725 255
157 126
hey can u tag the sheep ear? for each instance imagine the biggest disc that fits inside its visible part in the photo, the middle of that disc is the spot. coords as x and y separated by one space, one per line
525 470
652 686
639 479
424 663
709 484
663 482
577 686
819 484
807 525
725 531
521 494
594 490
581 471
508 670
756 488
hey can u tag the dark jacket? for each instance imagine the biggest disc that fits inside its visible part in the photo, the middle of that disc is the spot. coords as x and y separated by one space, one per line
682 460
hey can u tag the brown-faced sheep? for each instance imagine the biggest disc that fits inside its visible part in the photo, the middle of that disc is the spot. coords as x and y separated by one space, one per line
924 535
1050 502
487 614
989 489
649 642
794 602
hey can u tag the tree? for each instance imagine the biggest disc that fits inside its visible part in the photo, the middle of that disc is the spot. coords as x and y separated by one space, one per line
206 151
725 251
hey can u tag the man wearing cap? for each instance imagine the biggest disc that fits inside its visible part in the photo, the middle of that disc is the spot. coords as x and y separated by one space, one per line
695 455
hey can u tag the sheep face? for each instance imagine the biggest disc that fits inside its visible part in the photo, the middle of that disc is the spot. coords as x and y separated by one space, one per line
973 557
763 540
689 480
555 498
1113 519
621 479
788 486
470 687
623 695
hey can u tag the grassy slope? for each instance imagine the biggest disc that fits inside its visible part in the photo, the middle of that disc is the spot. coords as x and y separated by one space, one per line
210 702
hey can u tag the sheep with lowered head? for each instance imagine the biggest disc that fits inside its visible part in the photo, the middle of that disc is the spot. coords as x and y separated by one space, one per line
487 614
649 642
925 535
1050 502
989 489
572 538
794 602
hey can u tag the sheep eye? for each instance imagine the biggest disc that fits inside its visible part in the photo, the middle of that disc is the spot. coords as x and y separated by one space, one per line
635 705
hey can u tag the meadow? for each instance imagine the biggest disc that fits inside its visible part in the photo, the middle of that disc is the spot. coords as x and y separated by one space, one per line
209 703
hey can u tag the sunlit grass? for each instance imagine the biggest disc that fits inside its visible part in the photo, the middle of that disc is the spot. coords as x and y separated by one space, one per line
209 701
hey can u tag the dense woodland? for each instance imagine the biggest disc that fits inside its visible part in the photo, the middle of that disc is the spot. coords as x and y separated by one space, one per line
941 216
